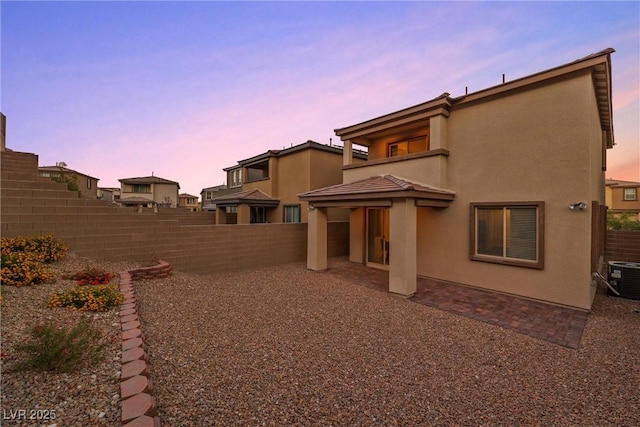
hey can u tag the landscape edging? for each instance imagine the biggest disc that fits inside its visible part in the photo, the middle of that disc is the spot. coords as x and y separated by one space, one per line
137 402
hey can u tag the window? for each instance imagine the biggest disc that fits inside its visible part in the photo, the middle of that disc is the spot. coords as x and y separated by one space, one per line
89 183
235 179
510 233
231 209
630 194
140 188
258 214
410 146
291 213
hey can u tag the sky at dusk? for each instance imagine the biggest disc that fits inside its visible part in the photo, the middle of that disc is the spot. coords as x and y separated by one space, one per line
185 89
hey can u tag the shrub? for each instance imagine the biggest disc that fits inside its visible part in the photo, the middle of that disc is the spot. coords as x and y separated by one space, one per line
22 269
24 258
90 276
69 179
60 349
45 249
622 221
93 298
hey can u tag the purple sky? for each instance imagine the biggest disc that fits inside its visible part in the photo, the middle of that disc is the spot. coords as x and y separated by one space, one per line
185 89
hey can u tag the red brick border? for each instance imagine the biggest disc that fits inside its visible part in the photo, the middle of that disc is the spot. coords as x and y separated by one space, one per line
138 405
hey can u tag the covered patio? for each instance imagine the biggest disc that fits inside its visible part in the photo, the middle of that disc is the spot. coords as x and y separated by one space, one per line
383 224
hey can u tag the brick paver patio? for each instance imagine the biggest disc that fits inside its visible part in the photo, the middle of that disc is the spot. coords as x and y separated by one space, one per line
559 325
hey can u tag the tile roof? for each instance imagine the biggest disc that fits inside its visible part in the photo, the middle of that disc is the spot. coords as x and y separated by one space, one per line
250 196
619 183
147 180
63 169
135 200
380 186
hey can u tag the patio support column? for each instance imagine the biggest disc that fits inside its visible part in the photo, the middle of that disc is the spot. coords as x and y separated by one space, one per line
317 239
347 153
356 235
244 213
402 247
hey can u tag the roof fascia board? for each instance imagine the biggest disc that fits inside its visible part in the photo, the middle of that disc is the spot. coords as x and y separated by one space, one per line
427 109
532 79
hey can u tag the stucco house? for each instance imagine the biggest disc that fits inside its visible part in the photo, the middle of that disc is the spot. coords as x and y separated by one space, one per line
188 201
501 189
622 197
149 191
267 185
87 186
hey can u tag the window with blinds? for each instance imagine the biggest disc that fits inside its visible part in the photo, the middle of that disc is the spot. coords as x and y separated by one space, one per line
508 233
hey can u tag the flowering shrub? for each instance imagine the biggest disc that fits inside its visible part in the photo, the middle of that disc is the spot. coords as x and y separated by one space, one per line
90 276
46 249
94 298
22 269
24 259
53 348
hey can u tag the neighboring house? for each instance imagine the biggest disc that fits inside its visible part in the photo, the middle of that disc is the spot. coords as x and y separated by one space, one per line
622 197
149 191
267 185
501 189
86 185
210 193
188 201
109 194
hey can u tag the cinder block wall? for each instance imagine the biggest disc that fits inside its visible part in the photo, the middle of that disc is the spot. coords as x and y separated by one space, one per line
622 245
189 241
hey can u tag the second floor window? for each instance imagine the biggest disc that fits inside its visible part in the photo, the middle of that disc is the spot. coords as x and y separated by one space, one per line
409 146
630 194
235 179
140 188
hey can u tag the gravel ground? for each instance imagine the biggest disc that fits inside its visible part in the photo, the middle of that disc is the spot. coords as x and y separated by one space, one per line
286 346
88 397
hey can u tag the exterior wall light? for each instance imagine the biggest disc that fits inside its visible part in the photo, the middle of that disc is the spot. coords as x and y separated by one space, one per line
578 206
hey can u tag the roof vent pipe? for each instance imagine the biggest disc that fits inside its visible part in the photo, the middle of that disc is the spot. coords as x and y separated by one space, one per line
503 79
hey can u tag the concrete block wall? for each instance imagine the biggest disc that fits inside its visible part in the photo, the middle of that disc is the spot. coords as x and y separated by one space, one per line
189 241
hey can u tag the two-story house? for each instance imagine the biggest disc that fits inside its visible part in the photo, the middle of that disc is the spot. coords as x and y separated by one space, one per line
109 194
271 181
207 195
85 185
188 201
501 189
622 197
149 191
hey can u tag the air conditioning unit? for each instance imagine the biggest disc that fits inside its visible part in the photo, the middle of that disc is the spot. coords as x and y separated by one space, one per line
624 277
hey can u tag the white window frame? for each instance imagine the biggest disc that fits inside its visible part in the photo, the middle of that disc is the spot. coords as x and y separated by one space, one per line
630 194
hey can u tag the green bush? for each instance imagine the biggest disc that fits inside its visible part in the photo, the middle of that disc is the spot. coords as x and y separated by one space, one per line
69 179
53 348
622 222
87 298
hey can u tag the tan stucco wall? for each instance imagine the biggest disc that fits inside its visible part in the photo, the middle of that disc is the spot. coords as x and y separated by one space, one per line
160 191
543 144
615 199
296 173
